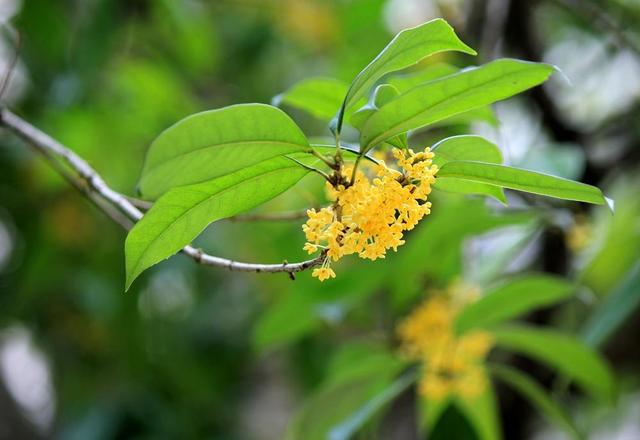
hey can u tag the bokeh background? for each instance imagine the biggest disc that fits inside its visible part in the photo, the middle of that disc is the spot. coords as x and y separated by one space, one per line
193 352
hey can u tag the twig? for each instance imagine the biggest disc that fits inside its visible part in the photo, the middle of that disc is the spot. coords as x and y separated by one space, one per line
96 186
6 78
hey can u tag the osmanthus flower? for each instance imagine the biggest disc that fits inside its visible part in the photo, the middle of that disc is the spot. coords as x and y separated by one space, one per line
452 365
371 210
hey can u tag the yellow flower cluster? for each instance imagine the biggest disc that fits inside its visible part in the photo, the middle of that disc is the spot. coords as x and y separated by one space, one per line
369 216
452 364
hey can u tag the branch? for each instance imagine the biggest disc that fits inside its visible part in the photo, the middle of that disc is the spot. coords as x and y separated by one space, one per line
89 182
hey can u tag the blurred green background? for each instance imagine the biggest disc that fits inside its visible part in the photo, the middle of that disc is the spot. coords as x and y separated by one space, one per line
194 352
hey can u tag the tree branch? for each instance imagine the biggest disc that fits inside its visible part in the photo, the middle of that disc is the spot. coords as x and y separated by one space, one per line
89 182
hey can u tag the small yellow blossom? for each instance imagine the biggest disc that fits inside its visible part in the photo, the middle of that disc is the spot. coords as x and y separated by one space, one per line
370 215
310 248
323 273
452 364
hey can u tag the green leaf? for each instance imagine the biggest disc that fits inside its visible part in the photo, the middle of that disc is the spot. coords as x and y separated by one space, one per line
334 401
482 413
513 299
522 180
410 80
359 118
217 142
564 353
614 309
537 396
455 220
452 95
467 147
184 212
406 82
383 94
406 49
303 309
321 97
352 424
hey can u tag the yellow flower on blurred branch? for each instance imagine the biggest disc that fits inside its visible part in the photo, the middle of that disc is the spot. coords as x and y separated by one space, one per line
369 215
452 364
580 234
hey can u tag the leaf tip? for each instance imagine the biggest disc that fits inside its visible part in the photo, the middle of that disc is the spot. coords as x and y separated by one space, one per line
564 76
610 204
277 100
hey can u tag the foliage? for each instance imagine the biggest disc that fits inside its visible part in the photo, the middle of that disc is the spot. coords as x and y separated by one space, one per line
191 352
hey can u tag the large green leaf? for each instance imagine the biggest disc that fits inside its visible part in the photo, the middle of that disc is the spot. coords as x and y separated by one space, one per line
217 142
513 299
566 354
404 50
182 213
408 81
523 180
321 97
451 95
467 147
537 396
435 71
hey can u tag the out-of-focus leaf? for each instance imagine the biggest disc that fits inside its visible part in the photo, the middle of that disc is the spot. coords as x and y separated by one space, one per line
615 245
513 299
452 221
566 354
452 424
538 397
524 180
321 97
350 426
184 212
332 404
467 147
562 160
482 413
404 50
455 94
217 142
614 310
348 361
308 304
